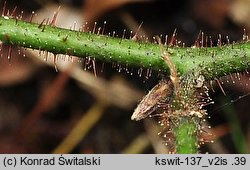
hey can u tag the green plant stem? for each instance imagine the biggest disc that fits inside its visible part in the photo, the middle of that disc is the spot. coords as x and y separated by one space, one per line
186 136
212 62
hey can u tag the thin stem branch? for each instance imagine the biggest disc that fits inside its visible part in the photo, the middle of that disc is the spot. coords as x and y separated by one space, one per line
186 136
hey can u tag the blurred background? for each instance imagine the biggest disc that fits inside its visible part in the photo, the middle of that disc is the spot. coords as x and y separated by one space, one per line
85 107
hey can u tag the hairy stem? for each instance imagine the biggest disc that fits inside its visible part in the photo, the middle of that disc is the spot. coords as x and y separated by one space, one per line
212 62
186 136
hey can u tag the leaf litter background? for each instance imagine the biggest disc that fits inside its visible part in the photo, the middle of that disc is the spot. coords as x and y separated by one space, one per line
84 110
